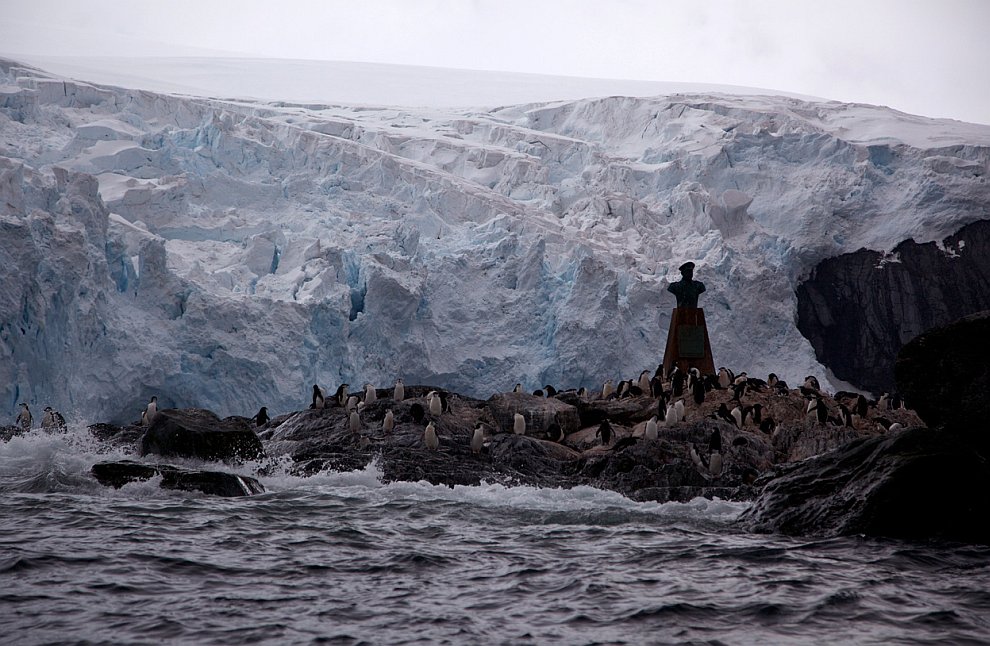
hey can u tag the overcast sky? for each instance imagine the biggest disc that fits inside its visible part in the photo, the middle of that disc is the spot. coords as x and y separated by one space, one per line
929 57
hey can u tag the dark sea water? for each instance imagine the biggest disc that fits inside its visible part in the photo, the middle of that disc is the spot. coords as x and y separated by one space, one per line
341 558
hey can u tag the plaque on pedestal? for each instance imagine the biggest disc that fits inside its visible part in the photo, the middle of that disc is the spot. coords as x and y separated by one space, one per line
687 342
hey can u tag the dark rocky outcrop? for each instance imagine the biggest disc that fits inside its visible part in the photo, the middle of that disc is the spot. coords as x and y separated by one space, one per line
914 484
945 373
918 483
859 309
9 432
217 483
198 433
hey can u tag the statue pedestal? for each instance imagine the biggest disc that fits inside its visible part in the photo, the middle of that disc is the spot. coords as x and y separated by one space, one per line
687 342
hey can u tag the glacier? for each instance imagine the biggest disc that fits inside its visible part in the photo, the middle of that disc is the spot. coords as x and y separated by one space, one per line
230 253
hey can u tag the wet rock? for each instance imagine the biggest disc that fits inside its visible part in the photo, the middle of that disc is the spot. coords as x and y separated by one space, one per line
9 432
914 484
216 483
198 433
540 413
126 438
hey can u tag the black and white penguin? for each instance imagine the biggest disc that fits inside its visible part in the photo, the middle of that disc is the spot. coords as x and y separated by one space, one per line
883 404
341 395
582 392
650 434
679 409
756 414
656 387
737 416
862 406
519 424
538 393
644 381
768 426
677 381
478 439
47 419
150 411
725 378
399 391
670 416
430 438
444 402
388 422
24 418
607 389
772 380
661 403
623 389
352 403
554 432
698 391
550 390
318 400
354 422
370 394
715 453
738 391
847 419
262 417
605 432
817 408
811 383
434 403
517 389
896 401
723 414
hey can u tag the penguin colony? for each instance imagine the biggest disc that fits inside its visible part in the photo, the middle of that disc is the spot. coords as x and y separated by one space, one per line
676 394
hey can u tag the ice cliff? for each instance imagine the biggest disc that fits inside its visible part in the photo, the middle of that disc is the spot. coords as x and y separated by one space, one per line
229 254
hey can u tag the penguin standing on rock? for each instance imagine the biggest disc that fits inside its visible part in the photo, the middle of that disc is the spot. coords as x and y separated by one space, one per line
607 389
605 432
370 394
150 411
389 422
262 417
650 434
430 438
318 399
399 392
52 421
478 439
355 422
519 424
550 390
341 394
644 381
714 465
24 417
434 403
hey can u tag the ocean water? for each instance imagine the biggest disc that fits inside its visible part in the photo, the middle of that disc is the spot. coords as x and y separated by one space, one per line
341 558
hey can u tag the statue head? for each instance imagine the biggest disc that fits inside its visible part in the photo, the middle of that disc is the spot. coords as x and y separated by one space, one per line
687 270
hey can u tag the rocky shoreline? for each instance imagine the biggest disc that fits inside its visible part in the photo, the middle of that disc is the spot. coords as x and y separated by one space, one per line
886 473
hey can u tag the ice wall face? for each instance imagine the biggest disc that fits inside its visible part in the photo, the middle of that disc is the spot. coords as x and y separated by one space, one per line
236 253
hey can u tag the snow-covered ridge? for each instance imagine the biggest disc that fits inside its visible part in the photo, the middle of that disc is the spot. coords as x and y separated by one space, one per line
246 250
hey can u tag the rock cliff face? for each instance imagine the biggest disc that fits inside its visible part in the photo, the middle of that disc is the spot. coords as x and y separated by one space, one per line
859 309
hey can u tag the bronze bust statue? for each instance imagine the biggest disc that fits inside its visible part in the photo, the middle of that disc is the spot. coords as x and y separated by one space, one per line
686 289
